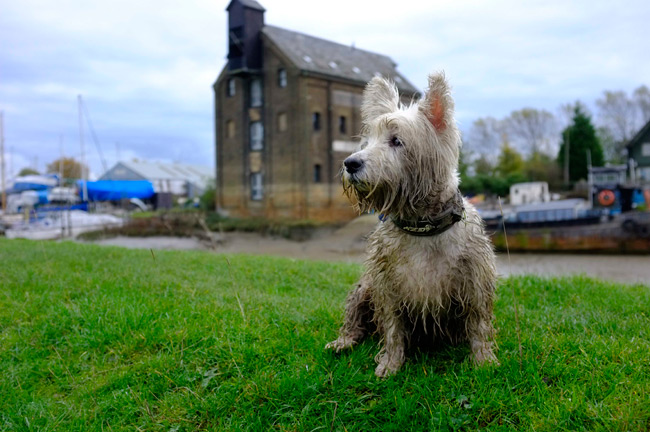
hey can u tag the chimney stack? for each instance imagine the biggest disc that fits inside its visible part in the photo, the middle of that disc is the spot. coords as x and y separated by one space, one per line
245 22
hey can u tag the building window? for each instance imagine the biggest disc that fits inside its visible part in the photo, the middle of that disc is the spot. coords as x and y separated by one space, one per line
317 173
230 129
256 92
231 87
282 77
257 135
257 187
315 121
342 125
282 122
644 173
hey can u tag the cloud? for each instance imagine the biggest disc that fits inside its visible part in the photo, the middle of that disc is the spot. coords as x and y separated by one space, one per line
146 68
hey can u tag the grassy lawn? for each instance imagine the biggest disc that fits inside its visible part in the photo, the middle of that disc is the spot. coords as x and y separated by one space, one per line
95 338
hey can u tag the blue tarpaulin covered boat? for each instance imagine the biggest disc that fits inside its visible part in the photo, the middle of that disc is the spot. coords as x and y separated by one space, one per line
34 182
115 190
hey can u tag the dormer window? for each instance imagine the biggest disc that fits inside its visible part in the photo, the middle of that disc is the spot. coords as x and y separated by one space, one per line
282 77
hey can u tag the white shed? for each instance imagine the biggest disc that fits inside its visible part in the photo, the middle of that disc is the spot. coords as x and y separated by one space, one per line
529 193
179 179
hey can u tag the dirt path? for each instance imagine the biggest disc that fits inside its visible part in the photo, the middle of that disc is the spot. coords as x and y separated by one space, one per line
619 268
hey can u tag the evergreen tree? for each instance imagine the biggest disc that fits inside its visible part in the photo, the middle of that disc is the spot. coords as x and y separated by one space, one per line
580 136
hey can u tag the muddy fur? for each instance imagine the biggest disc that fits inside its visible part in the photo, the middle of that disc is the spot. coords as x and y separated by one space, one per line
416 290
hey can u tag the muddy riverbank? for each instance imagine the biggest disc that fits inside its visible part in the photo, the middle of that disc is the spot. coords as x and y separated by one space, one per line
347 245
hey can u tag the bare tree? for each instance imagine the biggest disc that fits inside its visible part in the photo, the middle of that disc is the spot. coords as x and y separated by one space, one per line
621 116
618 113
565 113
613 150
534 130
485 136
642 101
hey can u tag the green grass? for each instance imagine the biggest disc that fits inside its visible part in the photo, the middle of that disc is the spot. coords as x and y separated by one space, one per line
96 338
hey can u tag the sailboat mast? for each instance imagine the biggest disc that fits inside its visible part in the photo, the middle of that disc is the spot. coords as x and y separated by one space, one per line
84 173
61 180
2 162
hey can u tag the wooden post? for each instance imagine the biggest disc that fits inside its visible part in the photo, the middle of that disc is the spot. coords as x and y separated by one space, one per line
566 157
84 173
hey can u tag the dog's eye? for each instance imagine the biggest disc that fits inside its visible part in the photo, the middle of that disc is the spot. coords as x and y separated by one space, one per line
395 142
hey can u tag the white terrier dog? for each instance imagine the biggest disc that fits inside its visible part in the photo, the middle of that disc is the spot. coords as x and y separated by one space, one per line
430 268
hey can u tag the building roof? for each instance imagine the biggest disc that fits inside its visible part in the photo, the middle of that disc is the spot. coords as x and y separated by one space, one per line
325 57
608 169
195 174
251 4
645 129
526 184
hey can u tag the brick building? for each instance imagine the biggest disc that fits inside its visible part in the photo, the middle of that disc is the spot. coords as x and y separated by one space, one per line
286 115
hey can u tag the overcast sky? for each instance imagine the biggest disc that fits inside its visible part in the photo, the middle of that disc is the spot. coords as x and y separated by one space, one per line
145 68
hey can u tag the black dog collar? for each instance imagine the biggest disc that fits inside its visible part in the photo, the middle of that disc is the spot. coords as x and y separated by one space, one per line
452 213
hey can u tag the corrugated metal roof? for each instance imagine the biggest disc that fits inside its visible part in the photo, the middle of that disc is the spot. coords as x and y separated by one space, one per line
313 54
195 174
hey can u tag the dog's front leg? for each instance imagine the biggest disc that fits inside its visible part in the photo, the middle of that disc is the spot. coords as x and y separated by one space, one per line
480 332
358 315
391 356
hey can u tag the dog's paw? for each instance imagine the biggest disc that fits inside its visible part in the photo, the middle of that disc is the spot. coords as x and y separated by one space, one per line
340 344
485 357
388 365
385 370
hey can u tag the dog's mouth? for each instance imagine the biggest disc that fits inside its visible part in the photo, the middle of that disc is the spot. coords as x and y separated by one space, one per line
357 183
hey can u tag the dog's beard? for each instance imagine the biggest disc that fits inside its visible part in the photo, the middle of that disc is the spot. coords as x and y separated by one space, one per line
367 196
356 182
405 197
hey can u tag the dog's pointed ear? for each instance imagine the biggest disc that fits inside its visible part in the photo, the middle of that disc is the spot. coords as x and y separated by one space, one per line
379 97
437 104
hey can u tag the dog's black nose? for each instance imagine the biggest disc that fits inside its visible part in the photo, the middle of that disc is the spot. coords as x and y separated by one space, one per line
353 164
